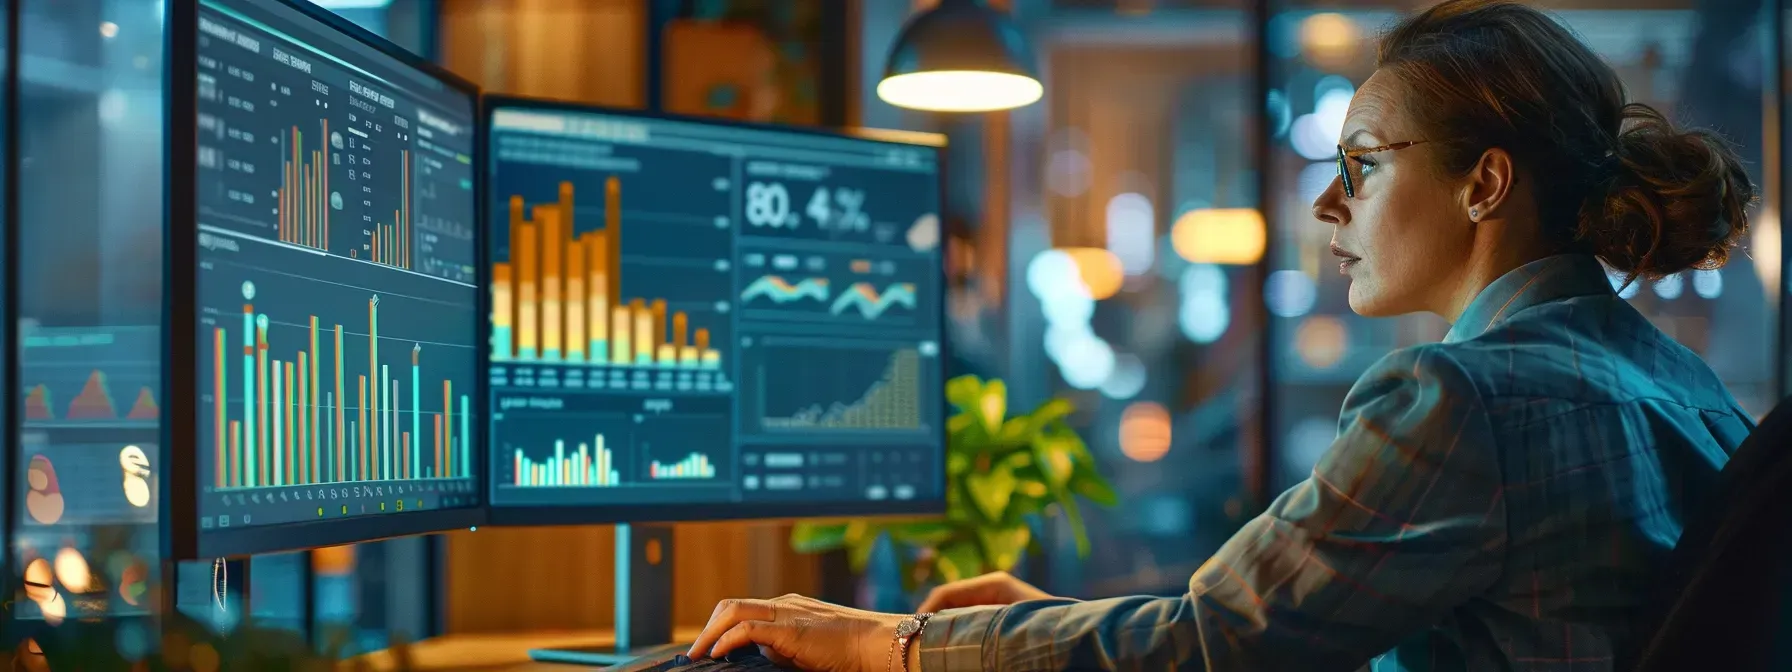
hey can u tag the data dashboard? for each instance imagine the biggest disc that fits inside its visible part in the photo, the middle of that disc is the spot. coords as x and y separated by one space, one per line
695 313
338 320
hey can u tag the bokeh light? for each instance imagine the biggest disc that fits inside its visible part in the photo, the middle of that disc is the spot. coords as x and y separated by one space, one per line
1099 269
1290 293
1321 341
1145 431
1132 232
1219 236
1708 284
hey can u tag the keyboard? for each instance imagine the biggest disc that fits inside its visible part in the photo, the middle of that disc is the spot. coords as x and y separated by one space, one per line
742 660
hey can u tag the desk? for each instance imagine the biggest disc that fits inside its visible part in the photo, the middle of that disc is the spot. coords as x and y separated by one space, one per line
490 653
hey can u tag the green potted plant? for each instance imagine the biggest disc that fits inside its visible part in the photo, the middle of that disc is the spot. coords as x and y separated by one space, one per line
1005 474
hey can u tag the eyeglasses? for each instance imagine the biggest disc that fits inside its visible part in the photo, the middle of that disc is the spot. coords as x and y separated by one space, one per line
1351 172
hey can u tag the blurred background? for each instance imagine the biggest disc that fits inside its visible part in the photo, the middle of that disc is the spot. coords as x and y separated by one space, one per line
1171 164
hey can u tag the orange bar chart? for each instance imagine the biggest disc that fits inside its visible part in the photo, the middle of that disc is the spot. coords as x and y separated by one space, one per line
303 201
558 299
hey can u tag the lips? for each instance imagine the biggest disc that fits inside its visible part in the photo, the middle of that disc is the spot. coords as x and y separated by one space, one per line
1345 259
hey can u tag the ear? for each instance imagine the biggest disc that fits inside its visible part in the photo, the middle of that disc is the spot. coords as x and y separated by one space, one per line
1489 184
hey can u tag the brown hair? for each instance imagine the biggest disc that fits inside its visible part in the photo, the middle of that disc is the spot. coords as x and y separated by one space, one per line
1613 179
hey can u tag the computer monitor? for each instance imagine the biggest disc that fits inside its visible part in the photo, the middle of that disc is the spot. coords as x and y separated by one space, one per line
697 319
325 248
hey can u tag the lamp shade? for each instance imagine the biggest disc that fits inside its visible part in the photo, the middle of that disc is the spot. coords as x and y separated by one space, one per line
960 56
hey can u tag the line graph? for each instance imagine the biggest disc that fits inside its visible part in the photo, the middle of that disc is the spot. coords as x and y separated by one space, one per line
833 387
780 291
871 303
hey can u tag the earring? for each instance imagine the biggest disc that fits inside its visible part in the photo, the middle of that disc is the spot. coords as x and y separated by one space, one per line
1474 214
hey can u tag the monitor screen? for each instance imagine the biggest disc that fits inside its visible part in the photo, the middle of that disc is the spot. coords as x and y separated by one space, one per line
705 320
338 313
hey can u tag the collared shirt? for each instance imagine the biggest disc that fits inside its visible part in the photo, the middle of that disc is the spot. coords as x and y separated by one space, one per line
1497 501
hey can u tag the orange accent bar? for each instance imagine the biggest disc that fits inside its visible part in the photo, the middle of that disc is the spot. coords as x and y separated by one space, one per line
341 399
597 290
291 407
218 437
438 467
404 230
613 227
323 240
548 218
678 328
261 406
361 452
702 340
312 439
575 302
302 406
448 421
523 252
285 190
659 321
236 453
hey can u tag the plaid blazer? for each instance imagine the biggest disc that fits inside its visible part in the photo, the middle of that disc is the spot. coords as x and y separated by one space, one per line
1497 501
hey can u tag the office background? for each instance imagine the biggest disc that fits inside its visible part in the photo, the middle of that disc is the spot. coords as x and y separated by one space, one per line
1208 368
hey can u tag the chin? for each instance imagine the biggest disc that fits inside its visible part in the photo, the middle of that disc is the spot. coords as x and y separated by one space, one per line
1370 303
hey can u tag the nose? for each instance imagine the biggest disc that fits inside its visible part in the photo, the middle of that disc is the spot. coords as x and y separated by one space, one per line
1330 206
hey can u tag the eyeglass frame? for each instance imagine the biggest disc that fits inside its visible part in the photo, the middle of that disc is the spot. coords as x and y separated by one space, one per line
1347 154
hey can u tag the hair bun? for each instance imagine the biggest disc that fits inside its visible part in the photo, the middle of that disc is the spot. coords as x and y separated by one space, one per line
1674 200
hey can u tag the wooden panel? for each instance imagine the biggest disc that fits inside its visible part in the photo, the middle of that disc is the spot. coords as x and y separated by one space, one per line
590 51
561 578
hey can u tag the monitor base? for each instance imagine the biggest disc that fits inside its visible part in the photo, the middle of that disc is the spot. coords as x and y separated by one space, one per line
643 602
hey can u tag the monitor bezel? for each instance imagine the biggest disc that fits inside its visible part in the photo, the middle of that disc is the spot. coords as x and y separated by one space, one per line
596 514
179 486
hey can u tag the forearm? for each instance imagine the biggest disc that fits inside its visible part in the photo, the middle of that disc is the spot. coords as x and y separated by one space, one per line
1049 635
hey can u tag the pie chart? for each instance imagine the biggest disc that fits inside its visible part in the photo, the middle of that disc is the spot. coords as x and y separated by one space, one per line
44 497
132 584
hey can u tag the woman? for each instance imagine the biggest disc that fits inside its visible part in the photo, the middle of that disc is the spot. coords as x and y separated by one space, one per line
1496 501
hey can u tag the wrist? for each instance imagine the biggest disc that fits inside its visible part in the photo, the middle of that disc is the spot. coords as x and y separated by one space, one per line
914 655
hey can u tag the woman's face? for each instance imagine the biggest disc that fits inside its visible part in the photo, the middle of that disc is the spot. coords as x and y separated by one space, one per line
1406 234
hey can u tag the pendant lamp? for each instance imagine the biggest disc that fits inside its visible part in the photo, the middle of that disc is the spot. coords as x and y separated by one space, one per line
960 56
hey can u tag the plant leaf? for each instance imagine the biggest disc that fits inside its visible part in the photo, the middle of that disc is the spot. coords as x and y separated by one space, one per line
816 537
1003 546
859 553
1057 459
958 561
1073 516
922 533
993 405
964 392
1053 410
1095 488
991 491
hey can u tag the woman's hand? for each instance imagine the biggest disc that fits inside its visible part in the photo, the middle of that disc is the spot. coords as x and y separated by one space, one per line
992 588
796 631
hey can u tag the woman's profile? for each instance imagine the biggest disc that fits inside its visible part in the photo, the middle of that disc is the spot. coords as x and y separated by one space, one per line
1499 500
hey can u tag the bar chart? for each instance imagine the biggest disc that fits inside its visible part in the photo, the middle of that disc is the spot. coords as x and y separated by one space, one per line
304 413
559 298
303 202
695 466
390 243
589 465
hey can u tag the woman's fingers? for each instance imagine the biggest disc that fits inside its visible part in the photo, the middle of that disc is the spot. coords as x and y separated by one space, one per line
727 615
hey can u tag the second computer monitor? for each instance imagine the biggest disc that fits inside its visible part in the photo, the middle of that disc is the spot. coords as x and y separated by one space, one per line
698 320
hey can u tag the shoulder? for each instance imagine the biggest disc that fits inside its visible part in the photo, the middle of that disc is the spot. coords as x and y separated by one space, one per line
1424 390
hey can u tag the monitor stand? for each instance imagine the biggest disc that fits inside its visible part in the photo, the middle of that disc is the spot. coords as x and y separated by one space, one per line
643 601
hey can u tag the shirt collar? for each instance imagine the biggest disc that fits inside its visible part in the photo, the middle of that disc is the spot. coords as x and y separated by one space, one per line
1553 278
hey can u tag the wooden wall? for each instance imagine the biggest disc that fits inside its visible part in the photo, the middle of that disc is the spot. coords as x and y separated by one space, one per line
561 578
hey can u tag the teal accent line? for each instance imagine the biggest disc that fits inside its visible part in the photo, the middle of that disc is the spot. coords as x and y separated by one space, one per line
623 557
